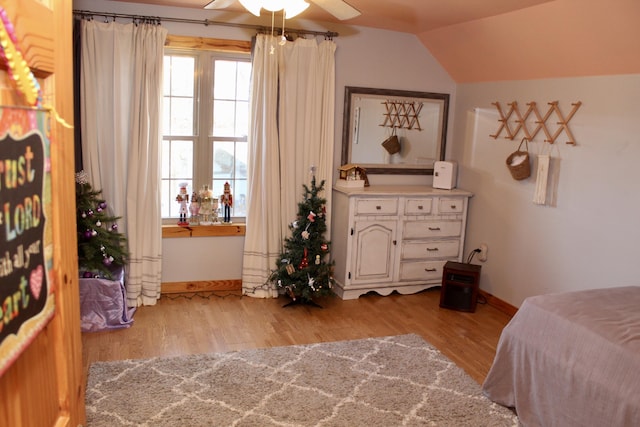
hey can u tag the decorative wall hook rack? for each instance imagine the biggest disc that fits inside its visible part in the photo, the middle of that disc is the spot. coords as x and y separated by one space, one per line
402 114
513 121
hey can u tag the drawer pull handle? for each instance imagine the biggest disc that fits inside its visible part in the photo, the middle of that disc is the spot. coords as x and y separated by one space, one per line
420 207
453 206
432 249
434 228
430 270
395 242
378 207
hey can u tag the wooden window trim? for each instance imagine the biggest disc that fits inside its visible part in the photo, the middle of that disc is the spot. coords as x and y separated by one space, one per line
205 43
176 231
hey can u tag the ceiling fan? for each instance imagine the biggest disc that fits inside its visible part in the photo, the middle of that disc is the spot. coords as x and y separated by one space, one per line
338 8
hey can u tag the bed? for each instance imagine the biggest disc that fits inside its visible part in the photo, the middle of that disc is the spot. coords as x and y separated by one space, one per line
571 359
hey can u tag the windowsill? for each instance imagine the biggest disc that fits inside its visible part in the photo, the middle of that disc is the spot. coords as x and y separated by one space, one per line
233 229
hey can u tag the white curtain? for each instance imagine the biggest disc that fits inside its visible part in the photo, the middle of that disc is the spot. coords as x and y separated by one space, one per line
121 101
292 116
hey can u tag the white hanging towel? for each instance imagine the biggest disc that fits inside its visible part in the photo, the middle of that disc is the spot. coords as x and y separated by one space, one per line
540 195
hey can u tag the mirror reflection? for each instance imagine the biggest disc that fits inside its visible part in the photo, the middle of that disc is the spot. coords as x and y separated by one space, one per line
394 131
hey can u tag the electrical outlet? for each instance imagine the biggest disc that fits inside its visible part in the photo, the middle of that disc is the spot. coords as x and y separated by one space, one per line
482 256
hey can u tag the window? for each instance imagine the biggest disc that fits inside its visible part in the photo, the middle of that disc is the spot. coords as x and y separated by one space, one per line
205 126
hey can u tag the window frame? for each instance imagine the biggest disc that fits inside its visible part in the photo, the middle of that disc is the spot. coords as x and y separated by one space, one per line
204 50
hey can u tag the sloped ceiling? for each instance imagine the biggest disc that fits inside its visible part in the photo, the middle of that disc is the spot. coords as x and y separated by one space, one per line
494 40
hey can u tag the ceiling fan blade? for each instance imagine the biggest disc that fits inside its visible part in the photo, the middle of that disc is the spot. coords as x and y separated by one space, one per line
219 4
338 8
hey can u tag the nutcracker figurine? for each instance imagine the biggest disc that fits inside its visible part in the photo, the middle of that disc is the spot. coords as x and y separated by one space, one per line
206 205
194 209
227 202
183 199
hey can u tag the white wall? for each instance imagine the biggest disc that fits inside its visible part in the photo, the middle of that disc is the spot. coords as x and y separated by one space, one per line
589 239
364 57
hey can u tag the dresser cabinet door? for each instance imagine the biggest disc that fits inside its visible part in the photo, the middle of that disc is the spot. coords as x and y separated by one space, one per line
374 254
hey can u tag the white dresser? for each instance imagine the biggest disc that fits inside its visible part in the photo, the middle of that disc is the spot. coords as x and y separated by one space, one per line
395 238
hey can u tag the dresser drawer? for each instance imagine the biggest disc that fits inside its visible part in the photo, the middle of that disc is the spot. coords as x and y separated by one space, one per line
450 205
426 229
418 206
430 249
376 206
421 270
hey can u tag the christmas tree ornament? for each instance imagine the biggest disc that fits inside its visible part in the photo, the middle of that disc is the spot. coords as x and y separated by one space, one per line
311 217
98 223
290 269
324 247
305 235
305 261
317 259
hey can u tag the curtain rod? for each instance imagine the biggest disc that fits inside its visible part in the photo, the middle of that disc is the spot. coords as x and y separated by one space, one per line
205 22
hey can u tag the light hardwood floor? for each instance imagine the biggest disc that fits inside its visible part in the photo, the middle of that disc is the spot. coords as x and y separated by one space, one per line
178 326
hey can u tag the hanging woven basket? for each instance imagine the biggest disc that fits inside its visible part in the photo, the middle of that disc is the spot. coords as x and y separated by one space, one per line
392 144
518 162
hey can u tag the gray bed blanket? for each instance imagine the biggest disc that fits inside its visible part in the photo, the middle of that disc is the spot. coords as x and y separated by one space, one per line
571 359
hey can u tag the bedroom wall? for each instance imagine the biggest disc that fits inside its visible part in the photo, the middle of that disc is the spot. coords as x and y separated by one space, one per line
589 237
364 57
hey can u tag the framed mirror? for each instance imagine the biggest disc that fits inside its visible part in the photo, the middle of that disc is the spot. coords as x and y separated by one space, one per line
388 131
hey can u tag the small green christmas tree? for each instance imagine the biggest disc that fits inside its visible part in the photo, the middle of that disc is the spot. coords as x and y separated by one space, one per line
302 270
101 248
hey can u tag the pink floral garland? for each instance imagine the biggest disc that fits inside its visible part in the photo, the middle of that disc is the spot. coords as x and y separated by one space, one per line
19 71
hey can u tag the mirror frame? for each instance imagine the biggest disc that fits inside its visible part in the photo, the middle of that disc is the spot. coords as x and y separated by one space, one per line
398 170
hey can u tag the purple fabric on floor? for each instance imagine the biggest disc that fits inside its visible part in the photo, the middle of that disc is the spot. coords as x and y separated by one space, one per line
103 304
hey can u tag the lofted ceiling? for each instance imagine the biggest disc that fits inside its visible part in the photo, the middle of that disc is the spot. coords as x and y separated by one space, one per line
409 16
501 39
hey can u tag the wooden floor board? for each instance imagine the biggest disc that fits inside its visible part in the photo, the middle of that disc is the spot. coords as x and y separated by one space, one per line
178 325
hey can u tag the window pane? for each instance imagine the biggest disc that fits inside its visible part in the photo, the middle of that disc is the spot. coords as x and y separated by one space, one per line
181 158
182 76
241 160
240 198
223 118
166 116
164 199
223 159
242 119
166 159
243 85
181 116
224 83
166 84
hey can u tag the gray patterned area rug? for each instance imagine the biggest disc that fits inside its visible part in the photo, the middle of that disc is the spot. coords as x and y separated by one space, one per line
390 381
